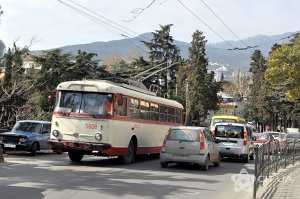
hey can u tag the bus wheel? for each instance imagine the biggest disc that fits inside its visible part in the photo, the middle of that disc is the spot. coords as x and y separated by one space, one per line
75 156
130 157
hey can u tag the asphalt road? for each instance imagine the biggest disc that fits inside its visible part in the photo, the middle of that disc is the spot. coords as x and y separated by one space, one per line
52 176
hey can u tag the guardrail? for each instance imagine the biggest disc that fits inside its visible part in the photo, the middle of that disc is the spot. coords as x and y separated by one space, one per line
271 156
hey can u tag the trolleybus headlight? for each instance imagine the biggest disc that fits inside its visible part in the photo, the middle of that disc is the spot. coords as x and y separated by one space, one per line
98 136
55 133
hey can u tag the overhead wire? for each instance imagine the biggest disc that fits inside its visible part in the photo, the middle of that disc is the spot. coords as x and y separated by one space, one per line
124 28
100 19
222 21
203 22
138 11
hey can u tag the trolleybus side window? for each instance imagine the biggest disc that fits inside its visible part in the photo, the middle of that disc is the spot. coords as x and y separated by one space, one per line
163 113
145 108
134 108
154 112
178 116
171 114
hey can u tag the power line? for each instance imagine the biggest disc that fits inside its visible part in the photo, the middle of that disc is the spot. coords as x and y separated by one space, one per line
222 21
125 29
99 20
203 22
91 17
138 11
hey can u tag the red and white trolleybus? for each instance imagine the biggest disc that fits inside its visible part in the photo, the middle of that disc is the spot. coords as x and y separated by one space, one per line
104 118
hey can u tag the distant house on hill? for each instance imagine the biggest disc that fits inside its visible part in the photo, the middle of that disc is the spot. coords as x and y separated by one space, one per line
30 65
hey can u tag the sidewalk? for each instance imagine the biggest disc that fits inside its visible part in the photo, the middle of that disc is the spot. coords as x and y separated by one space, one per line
287 185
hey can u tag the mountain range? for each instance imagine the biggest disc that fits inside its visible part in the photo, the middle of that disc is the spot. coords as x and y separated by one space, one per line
218 53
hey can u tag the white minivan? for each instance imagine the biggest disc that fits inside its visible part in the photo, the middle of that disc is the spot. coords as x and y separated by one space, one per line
233 140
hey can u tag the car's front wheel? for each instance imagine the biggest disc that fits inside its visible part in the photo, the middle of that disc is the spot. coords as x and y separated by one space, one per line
34 149
75 155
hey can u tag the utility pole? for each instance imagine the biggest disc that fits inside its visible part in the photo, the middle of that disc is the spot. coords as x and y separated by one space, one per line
187 108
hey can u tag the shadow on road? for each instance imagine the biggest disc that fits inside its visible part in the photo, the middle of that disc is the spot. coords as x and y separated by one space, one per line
98 176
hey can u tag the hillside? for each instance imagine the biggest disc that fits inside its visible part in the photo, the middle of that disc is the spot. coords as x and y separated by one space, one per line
217 52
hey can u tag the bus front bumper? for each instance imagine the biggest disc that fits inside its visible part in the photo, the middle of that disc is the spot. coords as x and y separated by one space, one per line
65 146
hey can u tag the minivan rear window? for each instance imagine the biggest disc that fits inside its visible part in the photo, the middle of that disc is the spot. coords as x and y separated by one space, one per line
184 135
229 131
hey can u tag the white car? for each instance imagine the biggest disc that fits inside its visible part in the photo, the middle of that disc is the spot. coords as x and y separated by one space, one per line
190 145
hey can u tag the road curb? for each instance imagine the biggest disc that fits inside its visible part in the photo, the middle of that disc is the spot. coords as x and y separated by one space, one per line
271 184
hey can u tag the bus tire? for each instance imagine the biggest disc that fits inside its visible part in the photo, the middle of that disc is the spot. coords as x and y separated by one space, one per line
131 155
75 156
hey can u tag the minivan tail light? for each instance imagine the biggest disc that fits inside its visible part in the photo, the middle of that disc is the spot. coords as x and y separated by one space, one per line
202 140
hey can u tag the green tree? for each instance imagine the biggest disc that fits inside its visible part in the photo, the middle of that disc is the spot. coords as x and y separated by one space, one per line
16 86
57 67
284 69
258 96
201 89
162 50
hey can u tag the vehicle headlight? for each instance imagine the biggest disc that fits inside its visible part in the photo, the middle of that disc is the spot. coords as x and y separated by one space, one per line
98 136
22 139
55 133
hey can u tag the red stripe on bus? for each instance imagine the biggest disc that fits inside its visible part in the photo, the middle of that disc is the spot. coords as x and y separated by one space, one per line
148 150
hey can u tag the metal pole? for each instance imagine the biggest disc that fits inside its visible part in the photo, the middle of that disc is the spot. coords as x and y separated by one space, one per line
285 156
255 171
1 154
187 102
269 165
294 151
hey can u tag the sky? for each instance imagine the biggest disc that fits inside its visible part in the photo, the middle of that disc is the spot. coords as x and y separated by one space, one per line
45 24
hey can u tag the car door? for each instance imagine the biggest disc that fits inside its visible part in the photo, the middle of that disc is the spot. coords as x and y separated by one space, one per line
45 135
